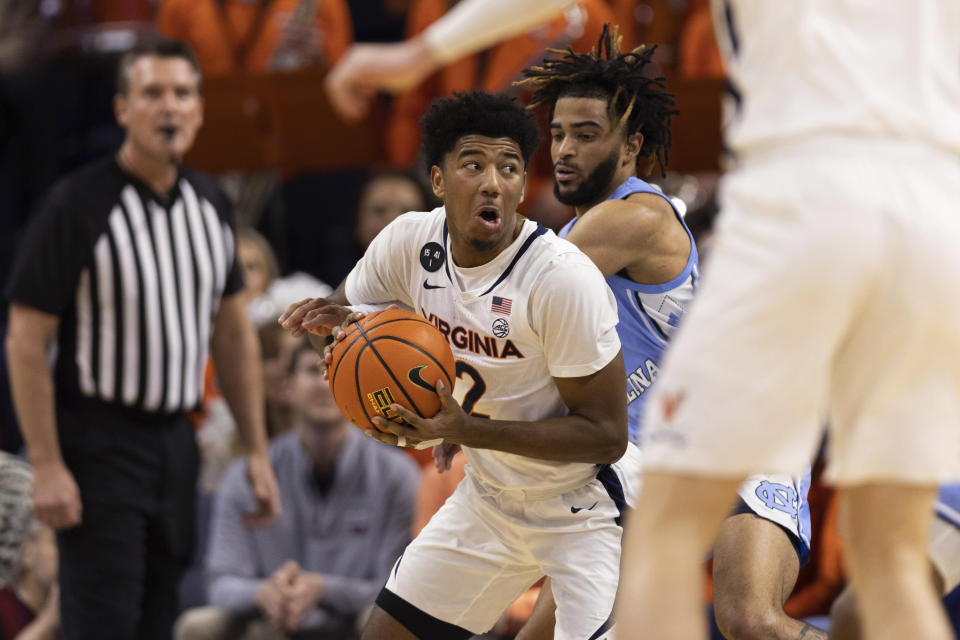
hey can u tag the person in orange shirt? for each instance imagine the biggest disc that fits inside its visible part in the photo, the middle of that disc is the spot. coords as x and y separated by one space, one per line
700 56
234 36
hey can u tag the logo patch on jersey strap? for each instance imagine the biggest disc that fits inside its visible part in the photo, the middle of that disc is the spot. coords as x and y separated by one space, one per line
501 328
778 496
381 399
501 305
432 256
416 378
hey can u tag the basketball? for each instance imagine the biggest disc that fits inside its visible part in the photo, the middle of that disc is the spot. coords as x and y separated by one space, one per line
389 357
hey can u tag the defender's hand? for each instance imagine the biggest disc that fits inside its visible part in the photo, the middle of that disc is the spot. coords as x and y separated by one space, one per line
316 315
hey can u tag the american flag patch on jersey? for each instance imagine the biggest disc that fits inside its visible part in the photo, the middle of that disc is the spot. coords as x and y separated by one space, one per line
501 305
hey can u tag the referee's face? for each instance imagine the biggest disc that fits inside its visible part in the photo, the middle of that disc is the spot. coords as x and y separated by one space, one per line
162 109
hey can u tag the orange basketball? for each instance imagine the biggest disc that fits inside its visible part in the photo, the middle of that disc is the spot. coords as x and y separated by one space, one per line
389 357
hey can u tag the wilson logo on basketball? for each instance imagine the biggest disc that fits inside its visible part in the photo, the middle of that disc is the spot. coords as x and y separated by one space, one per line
381 400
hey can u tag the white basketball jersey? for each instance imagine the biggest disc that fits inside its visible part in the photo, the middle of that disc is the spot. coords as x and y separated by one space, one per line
883 68
539 310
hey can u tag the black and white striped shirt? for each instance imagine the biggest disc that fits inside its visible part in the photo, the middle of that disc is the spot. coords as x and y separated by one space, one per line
136 280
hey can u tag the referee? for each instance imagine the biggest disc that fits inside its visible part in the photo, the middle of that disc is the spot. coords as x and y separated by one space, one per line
129 269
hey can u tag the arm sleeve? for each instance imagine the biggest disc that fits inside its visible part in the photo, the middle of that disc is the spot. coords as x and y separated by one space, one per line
351 595
53 252
379 275
575 315
476 24
231 554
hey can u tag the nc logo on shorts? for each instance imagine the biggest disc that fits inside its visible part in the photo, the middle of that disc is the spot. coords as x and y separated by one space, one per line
501 328
778 496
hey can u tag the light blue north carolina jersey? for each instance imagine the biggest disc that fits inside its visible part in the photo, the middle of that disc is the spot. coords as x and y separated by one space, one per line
649 314
948 503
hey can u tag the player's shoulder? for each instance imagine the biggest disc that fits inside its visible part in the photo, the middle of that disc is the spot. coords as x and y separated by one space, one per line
414 225
638 213
561 266
559 254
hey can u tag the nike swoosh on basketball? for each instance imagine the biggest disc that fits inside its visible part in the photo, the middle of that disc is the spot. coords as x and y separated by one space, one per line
416 378
427 285
579 509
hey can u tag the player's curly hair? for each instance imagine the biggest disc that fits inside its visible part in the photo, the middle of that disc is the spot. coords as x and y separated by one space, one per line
480 113
639 102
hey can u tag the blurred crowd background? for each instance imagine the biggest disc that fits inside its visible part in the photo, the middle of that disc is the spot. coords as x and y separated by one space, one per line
310 192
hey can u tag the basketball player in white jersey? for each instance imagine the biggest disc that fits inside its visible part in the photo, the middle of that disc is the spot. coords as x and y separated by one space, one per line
834 284
538 402
605 114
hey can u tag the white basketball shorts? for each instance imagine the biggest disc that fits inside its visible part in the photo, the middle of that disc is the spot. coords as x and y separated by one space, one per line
485 547
833 288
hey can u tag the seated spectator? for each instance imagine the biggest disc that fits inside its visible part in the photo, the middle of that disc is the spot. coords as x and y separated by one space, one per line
29 600
276 349
347 512
267 293
384 197
243 36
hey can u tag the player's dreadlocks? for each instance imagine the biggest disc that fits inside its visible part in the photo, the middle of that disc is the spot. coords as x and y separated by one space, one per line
635 100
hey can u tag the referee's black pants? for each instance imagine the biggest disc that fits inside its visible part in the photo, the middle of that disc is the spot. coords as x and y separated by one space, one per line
120 569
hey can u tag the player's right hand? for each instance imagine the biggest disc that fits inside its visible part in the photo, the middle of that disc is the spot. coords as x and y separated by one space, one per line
316 315
56 497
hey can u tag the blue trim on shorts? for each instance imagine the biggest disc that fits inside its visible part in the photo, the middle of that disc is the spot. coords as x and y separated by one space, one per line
606 626
608 478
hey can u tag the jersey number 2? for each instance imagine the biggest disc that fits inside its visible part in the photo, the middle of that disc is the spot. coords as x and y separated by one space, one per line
476 390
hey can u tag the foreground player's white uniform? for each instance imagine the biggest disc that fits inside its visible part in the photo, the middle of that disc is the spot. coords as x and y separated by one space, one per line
539 310
834 282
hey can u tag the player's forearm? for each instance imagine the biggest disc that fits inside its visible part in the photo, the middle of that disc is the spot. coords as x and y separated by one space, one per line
236 354
571 438
31 385
476 24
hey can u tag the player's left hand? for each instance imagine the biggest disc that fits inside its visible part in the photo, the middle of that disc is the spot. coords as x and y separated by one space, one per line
449 423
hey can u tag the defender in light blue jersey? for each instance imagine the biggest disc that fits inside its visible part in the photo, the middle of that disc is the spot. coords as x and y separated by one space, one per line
607 118
649 313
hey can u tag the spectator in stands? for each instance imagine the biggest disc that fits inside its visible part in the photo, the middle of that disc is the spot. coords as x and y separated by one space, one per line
699 56
29 600
267 293
384 197
348 511
243 36
277 347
